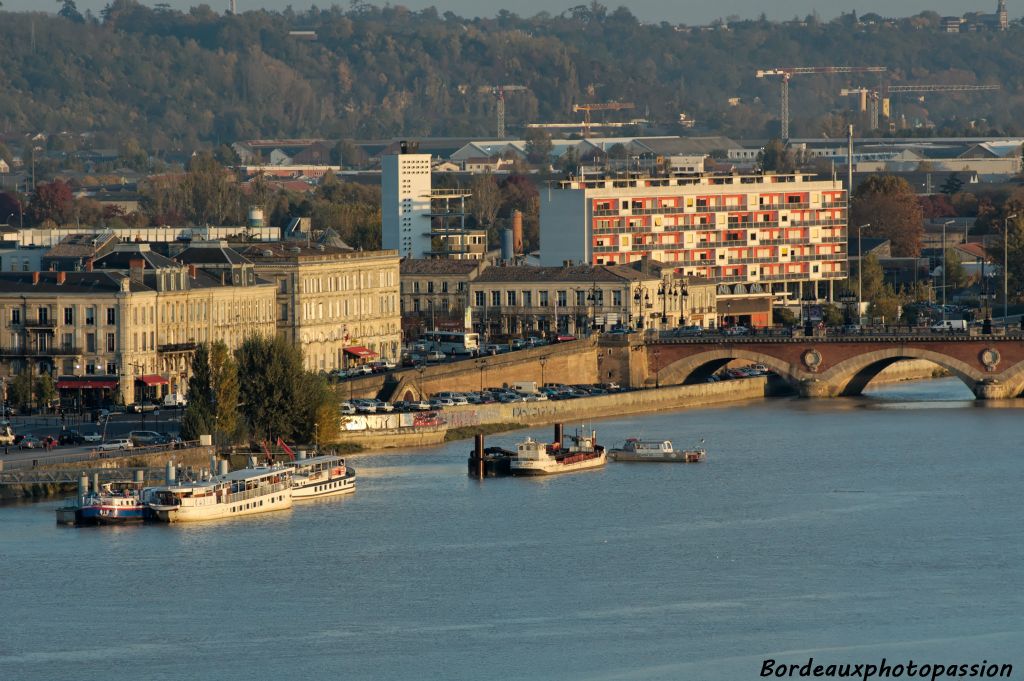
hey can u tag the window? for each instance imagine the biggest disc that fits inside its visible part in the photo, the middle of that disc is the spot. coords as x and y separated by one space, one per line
496 298
44 314
510 298
67 340
617 298
111 368
282 286
15 316
90 316
479 299
111 316
284 313
90 342
444 287
430 287
561 298
581 298
527 298
90 368
69 315
110 342
415 287
543 302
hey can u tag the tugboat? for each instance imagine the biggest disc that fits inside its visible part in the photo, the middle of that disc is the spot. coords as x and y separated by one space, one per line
539 458
116 507
658 451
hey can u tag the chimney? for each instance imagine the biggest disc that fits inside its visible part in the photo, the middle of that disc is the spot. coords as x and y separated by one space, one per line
35 279
61 277
135 268
192 271
88 264
517 232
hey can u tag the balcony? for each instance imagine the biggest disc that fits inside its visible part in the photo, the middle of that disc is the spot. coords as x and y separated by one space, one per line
56 351
176 347
42 324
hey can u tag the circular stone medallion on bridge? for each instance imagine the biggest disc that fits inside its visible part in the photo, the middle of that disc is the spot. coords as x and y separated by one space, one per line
811 359
990 358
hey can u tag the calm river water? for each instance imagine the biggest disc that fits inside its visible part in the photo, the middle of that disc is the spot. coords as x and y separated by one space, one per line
848 530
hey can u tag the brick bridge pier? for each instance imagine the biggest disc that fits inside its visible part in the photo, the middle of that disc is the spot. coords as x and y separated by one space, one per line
992 366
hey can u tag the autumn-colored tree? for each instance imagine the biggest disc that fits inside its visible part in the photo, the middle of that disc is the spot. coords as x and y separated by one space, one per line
209 191
936 206
52 201
890 206
486 199
776 157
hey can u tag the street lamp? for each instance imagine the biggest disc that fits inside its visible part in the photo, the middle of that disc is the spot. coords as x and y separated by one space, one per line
1006 247
657 368
860 270
944 225
420 369
543 361
481 364
667 290
643 299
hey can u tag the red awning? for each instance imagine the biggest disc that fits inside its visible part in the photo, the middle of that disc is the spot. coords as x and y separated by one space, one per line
360 352
84 384
152 379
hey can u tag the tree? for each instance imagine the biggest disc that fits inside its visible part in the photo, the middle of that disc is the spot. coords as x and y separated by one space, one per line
212 395
270 376
956 275
52 201
486 199
19 391
1014 255
44 390
885 306
538 145
783 316
776 157
209 192
70 11
871 279
832 315
952 185
889 204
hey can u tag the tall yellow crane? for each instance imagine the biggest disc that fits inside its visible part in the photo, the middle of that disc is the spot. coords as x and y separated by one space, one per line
499 93
602 106
875 98
785 73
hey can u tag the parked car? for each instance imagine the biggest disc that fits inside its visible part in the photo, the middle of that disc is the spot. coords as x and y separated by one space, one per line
441 402
692 330
738 330
71 437
517 343
28 441
142 438
435 356
175 400
419 405
115 445
383 406
141 407
91 435
347 409
365 406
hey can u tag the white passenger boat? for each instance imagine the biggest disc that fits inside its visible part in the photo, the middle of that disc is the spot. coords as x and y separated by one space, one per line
321 476
539 458
242 492
655 450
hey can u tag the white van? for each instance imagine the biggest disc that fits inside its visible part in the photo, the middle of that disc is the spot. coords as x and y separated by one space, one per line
174 400
524 387
950 325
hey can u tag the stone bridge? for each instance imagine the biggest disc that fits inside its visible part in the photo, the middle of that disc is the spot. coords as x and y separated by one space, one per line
992 366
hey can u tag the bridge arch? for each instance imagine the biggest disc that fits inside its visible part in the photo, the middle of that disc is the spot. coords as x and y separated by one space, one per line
850 377
698 368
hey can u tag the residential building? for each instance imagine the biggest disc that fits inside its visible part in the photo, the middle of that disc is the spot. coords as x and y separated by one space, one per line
405 204
780 231
75 251
127 329
574 299
337 304
435 292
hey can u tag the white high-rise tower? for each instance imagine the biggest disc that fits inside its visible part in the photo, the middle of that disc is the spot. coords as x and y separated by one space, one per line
405 203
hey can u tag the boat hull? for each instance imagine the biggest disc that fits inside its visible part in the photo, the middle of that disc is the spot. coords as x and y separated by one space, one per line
278 501
538 468
327 488
622 455
121 516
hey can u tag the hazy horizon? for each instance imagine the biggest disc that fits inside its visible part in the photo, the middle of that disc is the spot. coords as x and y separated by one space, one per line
674 11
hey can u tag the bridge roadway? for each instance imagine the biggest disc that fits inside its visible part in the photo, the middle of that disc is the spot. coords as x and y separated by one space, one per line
828 365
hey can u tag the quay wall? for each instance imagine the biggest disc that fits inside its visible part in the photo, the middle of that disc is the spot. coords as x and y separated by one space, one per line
580 410
193 457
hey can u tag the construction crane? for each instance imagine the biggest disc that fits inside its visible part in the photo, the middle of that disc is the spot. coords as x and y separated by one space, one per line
603 106
785 73
875 97
499 93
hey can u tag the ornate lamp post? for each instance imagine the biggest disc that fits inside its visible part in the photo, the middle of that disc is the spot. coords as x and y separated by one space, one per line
643 300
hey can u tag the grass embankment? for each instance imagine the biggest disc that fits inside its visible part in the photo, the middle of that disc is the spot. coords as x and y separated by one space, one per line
487 429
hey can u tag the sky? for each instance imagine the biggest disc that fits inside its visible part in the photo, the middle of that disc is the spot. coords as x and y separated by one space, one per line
675 11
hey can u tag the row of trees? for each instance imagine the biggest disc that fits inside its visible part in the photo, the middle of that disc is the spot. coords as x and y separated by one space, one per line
26 391
259 392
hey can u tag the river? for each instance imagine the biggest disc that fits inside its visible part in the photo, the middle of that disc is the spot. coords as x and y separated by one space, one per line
848 530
